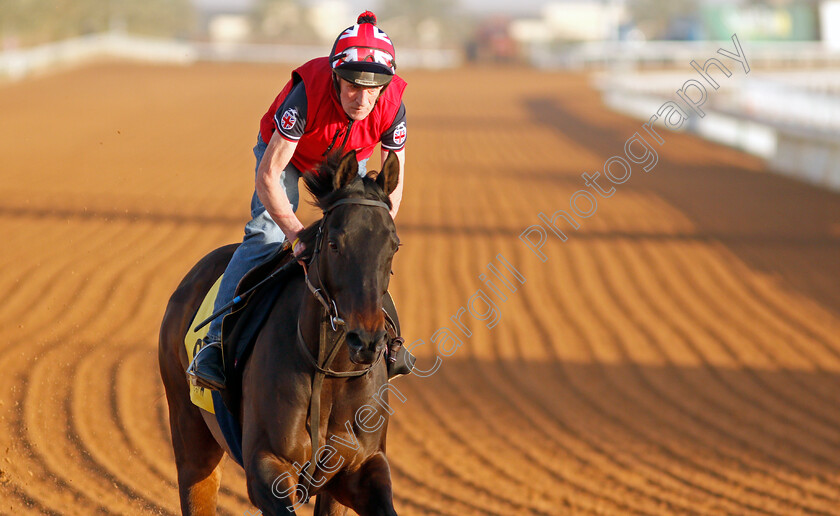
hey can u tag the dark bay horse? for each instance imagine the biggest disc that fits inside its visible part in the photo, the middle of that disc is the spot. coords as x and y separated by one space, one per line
349 252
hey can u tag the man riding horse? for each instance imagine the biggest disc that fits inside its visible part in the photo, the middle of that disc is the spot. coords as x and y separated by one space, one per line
351 100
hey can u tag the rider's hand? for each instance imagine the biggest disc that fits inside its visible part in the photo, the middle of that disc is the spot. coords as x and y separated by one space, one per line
298 248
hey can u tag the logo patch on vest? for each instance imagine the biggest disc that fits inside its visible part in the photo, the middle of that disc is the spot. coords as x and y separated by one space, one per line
399 134
287 121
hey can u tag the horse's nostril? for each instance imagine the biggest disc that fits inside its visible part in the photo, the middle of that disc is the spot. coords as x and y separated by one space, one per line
354 340
361 339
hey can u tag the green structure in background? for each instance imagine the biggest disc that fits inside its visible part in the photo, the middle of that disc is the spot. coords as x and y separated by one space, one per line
760 22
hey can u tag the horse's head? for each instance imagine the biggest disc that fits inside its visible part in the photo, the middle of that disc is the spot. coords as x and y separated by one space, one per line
350 249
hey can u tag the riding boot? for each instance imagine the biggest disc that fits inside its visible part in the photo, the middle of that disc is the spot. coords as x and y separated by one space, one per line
400 361
207 367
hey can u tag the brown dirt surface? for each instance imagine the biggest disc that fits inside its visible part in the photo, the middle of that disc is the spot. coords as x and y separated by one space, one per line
679 354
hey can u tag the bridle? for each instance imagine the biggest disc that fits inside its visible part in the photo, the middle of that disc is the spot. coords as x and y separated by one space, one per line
321 293
322 363
331 318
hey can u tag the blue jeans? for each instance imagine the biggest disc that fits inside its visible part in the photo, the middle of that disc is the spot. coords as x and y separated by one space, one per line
263 237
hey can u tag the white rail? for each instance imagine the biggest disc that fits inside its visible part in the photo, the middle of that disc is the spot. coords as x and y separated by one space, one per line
792 120
667 54
16 64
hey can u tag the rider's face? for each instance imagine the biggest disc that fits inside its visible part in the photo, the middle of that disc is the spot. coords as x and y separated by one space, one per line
357 101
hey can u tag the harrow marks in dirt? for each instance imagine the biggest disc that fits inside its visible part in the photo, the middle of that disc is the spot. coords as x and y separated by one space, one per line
679 354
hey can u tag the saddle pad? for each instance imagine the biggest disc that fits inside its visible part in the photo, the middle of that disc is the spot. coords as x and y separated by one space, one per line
211 401
200 396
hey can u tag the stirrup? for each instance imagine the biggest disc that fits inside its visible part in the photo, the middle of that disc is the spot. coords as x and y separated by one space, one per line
196 380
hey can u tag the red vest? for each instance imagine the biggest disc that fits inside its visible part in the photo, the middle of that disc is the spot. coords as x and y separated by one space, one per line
326 120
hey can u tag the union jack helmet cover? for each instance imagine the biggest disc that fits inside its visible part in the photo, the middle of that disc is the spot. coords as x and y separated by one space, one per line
363 54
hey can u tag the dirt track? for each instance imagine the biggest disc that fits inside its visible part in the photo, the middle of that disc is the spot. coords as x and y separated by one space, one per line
680 353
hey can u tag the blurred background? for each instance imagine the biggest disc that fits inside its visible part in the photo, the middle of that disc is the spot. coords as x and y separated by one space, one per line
788 113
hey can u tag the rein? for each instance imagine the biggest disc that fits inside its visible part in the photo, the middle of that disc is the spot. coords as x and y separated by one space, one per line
322 362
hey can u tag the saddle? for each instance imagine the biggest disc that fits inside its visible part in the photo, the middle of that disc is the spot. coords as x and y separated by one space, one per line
241 327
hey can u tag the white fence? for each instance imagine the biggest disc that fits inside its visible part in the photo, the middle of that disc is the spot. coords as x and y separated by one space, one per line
809 156
790 119
668 54
16 64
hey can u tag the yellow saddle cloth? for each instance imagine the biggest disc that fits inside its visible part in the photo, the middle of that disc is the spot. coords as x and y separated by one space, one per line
201 397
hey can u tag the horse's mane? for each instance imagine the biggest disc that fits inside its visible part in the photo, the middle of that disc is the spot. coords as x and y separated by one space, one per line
319 182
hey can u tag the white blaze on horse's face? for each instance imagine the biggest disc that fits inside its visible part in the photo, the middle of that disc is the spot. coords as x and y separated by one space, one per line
357 101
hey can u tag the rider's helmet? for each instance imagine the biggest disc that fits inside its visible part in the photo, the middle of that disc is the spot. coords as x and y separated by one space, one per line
363 54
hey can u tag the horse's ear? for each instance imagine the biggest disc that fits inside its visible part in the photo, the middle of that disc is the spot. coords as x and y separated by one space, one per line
390 175
348 169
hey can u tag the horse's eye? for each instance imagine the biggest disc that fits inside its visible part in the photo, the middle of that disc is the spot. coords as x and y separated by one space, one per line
333 245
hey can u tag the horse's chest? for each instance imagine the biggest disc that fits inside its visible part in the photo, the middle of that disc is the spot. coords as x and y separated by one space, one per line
344 444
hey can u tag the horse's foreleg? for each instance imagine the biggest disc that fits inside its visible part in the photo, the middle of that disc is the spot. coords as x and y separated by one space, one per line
272 485
368 489
326 505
